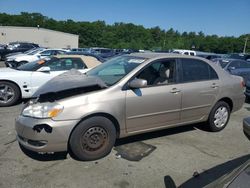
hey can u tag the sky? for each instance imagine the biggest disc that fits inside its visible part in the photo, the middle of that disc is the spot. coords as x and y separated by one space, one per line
220 17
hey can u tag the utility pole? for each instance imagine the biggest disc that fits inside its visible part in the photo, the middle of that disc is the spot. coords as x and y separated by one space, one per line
164 42
244 50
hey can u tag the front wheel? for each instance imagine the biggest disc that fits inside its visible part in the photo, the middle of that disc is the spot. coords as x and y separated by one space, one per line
219 116
93 138
9 93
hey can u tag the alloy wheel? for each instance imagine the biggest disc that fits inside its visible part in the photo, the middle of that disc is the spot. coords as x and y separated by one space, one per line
220 117
6 93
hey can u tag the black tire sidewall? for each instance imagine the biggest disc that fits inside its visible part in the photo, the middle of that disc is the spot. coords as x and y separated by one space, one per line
16 91
212 126
74 141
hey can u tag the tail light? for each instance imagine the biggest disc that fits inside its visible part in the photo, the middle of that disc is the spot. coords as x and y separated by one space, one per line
242 83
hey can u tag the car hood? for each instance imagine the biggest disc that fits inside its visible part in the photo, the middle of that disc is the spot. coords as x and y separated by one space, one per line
10 74
68 84
13 56
7 70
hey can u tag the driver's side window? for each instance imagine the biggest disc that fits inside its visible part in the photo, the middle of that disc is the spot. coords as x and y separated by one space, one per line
159 73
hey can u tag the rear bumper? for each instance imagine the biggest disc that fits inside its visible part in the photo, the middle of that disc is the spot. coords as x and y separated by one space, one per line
238 102
44 135
246 127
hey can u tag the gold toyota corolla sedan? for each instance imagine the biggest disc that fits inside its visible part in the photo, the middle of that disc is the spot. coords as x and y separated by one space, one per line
127 95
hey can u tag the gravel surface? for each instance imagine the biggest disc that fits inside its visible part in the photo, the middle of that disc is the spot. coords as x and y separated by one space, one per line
179 153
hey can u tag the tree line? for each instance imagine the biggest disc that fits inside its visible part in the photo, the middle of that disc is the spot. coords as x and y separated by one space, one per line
128 35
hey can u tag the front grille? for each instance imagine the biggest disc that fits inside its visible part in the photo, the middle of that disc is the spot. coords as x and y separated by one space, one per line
37 143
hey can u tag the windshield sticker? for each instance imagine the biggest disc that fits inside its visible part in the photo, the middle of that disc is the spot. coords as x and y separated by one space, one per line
41 62
136 60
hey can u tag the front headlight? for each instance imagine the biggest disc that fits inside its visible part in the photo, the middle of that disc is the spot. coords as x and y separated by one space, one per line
43 110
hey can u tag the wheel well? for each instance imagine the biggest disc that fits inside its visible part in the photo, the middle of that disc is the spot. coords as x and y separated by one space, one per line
106 115
14 84
228 101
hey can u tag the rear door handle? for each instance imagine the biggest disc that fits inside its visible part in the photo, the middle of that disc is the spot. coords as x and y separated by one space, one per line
175 91
214 85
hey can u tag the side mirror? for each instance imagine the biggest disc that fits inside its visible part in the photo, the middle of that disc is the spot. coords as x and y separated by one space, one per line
44 69
137 83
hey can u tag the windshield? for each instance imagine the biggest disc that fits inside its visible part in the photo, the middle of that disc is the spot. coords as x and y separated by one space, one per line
29 51
35 51
236 56
33 66
115 69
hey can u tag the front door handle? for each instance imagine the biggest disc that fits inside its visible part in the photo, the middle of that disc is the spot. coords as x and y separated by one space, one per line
175 91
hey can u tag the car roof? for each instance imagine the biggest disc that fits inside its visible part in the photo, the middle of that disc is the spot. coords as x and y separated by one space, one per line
153 55
90 61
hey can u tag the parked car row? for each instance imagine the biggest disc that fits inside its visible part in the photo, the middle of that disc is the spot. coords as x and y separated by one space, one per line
16 47
235 66
23 81
34 55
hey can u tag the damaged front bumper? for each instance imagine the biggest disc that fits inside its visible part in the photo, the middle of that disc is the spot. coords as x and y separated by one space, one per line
44 135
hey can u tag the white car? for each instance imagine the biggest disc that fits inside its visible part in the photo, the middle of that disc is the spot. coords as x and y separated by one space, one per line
33 56
26 79
15 55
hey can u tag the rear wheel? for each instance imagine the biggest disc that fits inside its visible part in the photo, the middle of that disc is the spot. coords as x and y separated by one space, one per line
219 116
93 138
9 93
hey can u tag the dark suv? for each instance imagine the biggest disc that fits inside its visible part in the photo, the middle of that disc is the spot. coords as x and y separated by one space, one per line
240 56
14 47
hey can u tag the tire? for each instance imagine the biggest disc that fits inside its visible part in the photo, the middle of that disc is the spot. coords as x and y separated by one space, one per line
247 99
13 95
219 116
93 138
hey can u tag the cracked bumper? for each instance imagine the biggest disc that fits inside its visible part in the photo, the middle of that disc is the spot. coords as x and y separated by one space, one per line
44 141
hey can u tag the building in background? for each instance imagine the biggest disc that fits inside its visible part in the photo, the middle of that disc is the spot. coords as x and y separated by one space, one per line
43 37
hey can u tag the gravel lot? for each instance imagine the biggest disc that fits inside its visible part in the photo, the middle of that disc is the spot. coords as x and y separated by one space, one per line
179 153
2 64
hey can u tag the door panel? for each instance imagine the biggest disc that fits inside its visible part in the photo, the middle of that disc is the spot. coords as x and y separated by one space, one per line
152 107
197 99
200 88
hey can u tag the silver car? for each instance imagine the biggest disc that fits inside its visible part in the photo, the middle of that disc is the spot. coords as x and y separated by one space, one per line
127 95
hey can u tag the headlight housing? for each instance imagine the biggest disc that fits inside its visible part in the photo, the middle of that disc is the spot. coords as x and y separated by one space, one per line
43 110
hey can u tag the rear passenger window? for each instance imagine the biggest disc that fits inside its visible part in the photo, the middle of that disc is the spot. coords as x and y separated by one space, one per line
196 70
64 64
